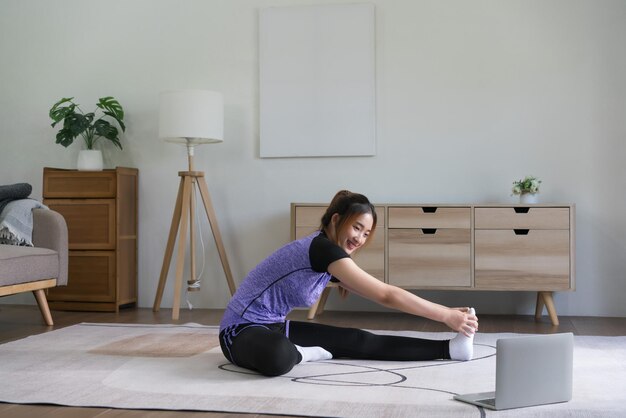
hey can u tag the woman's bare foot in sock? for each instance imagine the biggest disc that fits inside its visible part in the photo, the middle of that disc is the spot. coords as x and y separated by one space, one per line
314 353
462 346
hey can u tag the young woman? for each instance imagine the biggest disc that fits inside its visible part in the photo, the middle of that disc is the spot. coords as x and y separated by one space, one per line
254 333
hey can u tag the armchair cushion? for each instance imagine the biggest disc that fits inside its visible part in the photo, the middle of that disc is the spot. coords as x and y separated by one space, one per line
27 264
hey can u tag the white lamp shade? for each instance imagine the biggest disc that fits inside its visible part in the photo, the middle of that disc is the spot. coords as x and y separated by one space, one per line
195 116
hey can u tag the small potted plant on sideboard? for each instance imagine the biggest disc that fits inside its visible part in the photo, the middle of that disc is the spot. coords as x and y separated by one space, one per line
90 128
527 189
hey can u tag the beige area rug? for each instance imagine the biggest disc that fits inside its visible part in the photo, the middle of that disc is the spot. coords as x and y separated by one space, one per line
181 367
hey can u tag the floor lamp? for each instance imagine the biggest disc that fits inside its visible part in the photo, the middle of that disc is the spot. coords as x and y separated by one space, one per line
191 118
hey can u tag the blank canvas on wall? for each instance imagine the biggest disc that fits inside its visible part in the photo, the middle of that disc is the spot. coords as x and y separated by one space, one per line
317 81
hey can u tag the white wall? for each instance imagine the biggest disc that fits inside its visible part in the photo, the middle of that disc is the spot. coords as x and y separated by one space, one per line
470 96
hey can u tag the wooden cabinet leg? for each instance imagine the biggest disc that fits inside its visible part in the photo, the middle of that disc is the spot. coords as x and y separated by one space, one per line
313 309
539 307
547 299
322 301
318 307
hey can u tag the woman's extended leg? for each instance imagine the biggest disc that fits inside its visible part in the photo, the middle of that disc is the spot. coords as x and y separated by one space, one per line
359 344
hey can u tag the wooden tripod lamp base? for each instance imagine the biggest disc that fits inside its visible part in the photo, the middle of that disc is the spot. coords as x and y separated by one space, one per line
183 219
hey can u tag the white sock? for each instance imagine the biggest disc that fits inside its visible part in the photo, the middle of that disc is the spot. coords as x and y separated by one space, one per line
462 346
315 353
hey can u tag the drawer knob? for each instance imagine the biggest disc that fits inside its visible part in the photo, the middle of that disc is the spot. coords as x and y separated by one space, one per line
521 231
429 209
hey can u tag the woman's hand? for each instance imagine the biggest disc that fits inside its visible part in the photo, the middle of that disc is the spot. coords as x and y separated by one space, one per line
460 320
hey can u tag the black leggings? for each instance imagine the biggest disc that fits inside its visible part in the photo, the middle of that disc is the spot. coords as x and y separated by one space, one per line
269 348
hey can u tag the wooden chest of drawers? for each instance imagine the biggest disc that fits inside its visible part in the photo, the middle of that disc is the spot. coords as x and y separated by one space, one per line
466 247
100 208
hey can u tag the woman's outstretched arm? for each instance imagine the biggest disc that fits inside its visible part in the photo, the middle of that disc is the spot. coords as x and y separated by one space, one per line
353 278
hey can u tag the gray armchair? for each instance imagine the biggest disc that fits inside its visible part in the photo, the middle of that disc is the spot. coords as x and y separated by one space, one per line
33 269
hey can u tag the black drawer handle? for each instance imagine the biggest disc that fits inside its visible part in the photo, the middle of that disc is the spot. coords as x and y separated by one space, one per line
429 231
429 210
521 231
521 210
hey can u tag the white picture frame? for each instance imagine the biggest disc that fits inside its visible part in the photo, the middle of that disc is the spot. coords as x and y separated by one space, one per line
317 81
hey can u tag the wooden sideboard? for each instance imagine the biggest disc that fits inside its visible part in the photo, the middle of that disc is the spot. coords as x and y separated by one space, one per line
464 247
100 209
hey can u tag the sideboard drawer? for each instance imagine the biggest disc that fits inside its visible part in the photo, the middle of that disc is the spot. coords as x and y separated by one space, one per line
90 222
435 258
536 260
92 278
521 218
429 217
371 258
78 184
308 219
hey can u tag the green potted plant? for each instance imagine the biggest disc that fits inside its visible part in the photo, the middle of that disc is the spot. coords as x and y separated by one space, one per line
527 189
89 127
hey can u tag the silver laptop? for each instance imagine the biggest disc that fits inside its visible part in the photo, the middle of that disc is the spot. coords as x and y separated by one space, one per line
530 370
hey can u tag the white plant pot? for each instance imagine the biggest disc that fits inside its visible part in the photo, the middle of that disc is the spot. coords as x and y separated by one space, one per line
89 160
528 198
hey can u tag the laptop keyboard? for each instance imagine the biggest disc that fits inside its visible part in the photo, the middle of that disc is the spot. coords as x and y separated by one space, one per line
489 401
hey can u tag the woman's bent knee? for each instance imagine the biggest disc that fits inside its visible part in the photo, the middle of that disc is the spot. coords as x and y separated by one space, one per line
277 360
268 352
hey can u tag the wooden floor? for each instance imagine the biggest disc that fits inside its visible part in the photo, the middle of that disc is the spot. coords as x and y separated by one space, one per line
17 322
